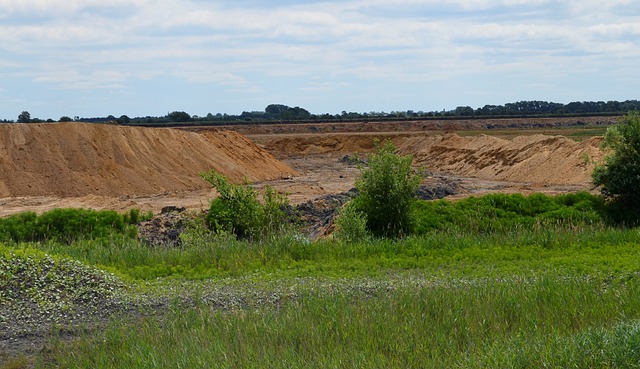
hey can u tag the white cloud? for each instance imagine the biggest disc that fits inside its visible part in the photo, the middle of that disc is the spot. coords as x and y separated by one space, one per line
221 78
255 48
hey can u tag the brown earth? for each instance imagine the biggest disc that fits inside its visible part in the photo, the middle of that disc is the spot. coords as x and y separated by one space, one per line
45 166
74 160
531 159
439 125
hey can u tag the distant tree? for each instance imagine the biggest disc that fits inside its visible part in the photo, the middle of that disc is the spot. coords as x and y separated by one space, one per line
65 118
275 111
124 119
179 116
24 117
279 111
464 111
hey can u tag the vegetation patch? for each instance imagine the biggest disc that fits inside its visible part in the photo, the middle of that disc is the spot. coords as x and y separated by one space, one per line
509 212
464 323
68 225
237 210
386 192
619 176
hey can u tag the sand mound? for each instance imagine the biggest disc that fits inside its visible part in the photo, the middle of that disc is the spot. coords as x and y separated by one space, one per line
314 144
537 158
71 160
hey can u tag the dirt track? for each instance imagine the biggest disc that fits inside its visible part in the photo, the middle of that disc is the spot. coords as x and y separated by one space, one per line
45 166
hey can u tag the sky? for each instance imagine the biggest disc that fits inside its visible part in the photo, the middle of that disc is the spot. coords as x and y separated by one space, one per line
93 58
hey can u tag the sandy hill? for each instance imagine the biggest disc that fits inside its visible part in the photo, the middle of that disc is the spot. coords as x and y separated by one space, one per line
73 159
536 158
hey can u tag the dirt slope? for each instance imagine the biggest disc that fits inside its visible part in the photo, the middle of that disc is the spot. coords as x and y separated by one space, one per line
72 159
296 145
537 158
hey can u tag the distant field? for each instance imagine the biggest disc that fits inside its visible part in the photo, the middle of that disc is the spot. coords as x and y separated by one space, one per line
575 133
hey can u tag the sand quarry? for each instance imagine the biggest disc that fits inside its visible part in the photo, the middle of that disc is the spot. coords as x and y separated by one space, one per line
45 166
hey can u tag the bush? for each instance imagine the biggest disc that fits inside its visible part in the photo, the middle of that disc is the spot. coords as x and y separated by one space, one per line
386 192
238 210
351 225
619 176
507 212
64 225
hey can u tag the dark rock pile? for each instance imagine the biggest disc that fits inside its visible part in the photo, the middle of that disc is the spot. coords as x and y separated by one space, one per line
164 230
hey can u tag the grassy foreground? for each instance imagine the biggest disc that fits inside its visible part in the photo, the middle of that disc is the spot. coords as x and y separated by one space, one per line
501 282
516 323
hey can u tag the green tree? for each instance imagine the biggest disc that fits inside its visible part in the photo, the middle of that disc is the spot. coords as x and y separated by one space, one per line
179 116
124 119
619 175
65 118
24 117
386 192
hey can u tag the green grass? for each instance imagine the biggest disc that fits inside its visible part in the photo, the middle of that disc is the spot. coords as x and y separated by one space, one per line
505 212
585 249
68 225
547 321
500 281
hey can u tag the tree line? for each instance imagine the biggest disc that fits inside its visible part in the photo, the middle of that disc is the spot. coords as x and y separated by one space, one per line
284 113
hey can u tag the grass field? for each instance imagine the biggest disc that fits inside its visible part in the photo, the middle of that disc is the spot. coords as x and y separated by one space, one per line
574 133
551 285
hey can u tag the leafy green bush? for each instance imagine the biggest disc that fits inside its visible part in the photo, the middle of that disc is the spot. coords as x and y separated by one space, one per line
386 192
238 210
351 225
64 225
505 212
619 176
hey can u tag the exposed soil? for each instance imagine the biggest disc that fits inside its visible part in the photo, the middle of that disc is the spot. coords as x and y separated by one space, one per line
527 159
439 125
75 160
46 166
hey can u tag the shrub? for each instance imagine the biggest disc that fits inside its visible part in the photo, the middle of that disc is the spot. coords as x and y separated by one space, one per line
351 225
619 176
238 210
63 225
386 192
506 212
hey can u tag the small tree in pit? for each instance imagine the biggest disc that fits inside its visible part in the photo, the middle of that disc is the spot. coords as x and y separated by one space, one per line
387 189
237 209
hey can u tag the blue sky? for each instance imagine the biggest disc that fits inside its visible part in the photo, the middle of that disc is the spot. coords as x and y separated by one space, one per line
149 57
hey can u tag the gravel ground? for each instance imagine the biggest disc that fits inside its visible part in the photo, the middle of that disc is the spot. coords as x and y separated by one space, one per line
26 327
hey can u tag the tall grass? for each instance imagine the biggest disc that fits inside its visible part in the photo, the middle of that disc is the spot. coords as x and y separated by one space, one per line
548 321
494 232
506 212
586 249
68 225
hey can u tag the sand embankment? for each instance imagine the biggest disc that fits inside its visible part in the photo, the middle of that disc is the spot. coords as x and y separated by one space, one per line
534 159
75 159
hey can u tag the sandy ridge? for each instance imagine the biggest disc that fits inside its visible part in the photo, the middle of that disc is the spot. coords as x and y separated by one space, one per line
76 159
533 159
